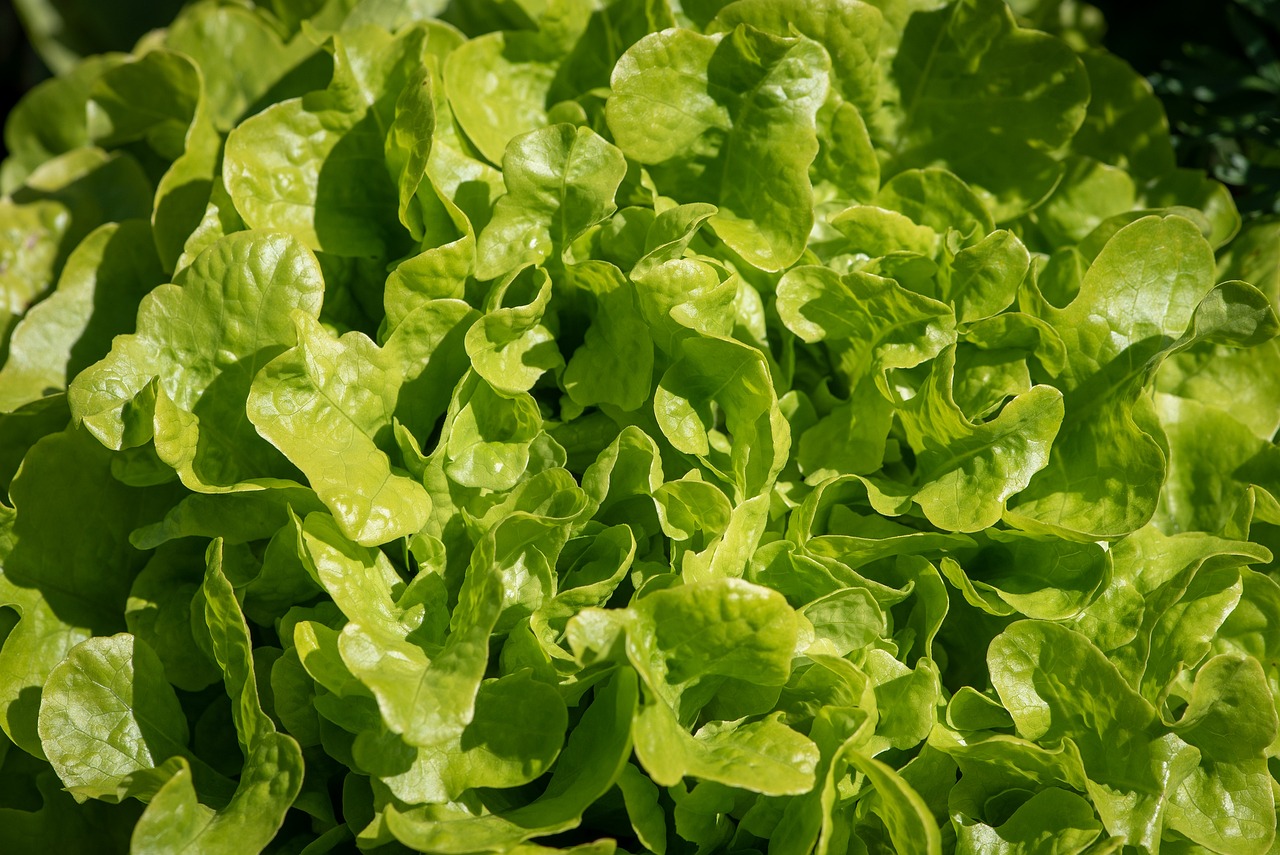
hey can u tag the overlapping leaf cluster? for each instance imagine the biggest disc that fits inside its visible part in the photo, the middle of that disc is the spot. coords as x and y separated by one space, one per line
769 426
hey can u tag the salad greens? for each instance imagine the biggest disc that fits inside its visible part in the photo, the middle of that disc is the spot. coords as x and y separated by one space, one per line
516 426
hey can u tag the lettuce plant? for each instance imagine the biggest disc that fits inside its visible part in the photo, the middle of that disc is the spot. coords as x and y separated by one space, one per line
513 426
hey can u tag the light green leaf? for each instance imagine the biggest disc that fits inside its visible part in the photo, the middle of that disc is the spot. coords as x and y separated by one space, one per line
968 471
762 756
560 181
1136 777
408 145
439 272
489 436
428 700
29 238
175 819
106 713
722 106
850 32
877 231
591 762
937 199
736 378
696 633
498 86
104 278
1053 820
1226 807
509 346
678 293
877 323
235 307
983 279
1230 715
967 79
1135 300
316 166
326 404
911 826
34 646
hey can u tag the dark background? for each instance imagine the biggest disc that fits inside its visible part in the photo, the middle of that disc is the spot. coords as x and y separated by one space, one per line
20 68
1202 59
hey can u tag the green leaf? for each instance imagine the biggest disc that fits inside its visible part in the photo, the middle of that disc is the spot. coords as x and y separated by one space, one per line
1136 776
50 119
57 820
763 756
591 762
316 166
32 648
879 323
1208 486
234 517
1053 820
736 378
428 350
1038 576
526 426
878 231
937 199
116 115
325 404
1230 715
107 713
104 278
220 39
498 86
911 826
699 633
968 79
159 615
29 238
235 307
1135 300
1125 124
439 272
745 101
273 769
968 471
614 365
26 426
272 775
408 145
850 32
560 181
70 537
678 293
647 819
159 99
427 700
983 279
510 347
